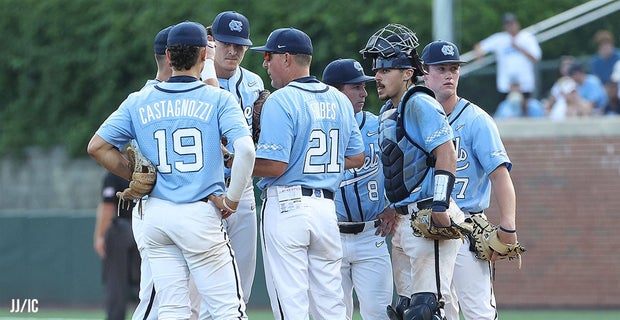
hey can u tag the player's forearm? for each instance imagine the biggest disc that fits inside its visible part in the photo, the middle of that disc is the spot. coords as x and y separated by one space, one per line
505 196
268 168
354 161
446 157
109 157
242 166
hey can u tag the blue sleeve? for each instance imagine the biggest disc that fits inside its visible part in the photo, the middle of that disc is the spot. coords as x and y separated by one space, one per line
426 122
487 145
277 132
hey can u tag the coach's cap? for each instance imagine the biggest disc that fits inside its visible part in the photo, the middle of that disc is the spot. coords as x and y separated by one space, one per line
288 40
232 27
439 51
343 71
188 33
161 40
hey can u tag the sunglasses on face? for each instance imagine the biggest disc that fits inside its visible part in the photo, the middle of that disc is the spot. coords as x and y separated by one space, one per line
269 54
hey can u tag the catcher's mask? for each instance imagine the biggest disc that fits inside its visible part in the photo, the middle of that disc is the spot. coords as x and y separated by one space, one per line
393 47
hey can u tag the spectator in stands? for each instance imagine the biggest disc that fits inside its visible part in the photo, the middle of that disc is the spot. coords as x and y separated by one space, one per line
517 52
555 94
589 88
512 106
606 56
576 94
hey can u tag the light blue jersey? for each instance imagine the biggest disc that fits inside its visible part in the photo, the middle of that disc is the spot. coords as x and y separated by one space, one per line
310 126
361 196
479 151
178 125
425 125
245 86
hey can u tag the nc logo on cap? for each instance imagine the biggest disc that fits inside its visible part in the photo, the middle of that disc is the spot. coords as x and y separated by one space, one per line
235 25
358 67
447 50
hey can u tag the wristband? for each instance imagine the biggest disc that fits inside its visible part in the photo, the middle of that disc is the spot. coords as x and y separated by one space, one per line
444 183
507 230
227 207
208 72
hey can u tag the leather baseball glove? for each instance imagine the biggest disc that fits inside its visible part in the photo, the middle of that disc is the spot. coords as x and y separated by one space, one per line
142 179
258 108
484 241
423 226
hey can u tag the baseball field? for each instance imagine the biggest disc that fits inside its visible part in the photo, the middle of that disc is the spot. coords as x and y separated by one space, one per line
255 314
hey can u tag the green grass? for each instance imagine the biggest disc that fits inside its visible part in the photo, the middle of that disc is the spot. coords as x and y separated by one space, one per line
254 314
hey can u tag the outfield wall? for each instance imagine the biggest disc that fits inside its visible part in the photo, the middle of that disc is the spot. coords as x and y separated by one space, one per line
566 179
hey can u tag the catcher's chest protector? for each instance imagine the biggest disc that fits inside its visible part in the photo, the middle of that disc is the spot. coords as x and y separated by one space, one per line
403 173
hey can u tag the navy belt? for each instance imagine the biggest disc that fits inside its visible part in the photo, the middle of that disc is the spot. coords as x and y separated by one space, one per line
424 204
357 227
319 193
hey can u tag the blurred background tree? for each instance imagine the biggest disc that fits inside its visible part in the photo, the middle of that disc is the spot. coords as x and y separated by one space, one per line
66 65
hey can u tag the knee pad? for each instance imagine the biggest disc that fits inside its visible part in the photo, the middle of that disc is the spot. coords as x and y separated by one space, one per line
401 305
423 306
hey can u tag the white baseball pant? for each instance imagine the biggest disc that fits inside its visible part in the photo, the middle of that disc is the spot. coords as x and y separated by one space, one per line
302 256
366 268
420 253
243 232
189 238
472 288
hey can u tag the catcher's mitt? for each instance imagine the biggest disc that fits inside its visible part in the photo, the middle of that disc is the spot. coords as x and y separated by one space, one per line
484 240
142 179
423 225
258 108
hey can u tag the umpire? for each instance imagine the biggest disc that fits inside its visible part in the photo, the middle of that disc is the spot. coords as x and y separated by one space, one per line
115 244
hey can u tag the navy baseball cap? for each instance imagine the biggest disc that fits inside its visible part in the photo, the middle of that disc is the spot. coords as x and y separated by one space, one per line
439 51
188 33
232 27
289 40
161 40
343 71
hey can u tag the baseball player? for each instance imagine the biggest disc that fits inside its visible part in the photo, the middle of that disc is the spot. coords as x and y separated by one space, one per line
231 32
309 137
148 302
482 166
363 218
114 243
178 124
419 164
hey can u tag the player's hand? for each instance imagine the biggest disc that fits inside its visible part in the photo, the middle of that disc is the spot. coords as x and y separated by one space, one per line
211 50
226 206
505 237
388 222
441 219
99 246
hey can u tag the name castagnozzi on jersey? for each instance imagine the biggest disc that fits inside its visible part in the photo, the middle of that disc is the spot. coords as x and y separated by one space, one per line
175 108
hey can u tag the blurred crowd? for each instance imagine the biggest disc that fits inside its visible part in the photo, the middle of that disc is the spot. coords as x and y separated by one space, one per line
584 87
